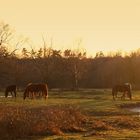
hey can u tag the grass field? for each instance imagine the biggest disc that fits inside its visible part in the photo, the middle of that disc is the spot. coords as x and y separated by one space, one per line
89 114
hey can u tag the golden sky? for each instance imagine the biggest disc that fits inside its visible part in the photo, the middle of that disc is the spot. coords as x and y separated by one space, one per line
103 25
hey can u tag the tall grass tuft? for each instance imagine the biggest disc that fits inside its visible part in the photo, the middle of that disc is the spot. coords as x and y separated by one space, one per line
17 121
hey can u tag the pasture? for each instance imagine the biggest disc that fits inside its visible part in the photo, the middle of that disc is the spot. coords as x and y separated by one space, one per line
89 114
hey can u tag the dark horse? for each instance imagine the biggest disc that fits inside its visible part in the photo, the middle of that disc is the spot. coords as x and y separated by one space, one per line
126 89
35 89
12 89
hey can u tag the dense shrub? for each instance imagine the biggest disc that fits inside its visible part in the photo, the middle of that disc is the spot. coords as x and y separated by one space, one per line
24 121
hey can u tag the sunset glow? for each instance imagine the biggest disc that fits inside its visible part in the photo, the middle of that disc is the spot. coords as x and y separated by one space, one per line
102 25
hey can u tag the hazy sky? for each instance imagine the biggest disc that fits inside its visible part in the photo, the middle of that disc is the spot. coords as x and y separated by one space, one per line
103 25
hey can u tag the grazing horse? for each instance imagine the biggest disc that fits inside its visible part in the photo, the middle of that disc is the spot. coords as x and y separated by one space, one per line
12 89
126 89
35 89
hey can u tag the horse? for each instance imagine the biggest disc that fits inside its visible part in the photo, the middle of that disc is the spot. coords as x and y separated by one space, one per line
35 89
126 89
12 89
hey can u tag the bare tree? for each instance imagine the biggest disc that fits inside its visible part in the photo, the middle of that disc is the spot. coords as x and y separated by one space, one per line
6 33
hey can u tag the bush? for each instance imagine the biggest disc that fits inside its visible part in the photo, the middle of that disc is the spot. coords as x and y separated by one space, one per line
18 122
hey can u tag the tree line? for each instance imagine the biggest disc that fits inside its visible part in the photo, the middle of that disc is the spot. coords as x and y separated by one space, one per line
66 69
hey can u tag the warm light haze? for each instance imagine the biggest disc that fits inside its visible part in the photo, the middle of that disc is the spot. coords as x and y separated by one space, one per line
103 25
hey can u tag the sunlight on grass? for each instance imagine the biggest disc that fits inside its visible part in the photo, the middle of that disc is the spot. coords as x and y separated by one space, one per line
106 118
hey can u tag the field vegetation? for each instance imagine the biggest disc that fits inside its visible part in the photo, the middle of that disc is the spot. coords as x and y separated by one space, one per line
70 115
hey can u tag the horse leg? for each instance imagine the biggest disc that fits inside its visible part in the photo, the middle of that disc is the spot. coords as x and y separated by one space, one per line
33 95
123 96
47 92
6 94
113 94
46 95
116 94
30 95
130 95
15 93
11 93
39 94
24 96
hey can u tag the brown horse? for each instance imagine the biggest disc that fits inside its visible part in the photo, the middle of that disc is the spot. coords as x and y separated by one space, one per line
126 89
35 89
12 89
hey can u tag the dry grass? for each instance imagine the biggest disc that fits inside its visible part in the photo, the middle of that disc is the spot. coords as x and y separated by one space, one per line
112 124
125 122
22 121
16 122
101 126
53 119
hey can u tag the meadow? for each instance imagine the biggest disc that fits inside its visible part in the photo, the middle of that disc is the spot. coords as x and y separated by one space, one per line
87 114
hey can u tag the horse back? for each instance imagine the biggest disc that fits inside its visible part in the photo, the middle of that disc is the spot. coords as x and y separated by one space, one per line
121 88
